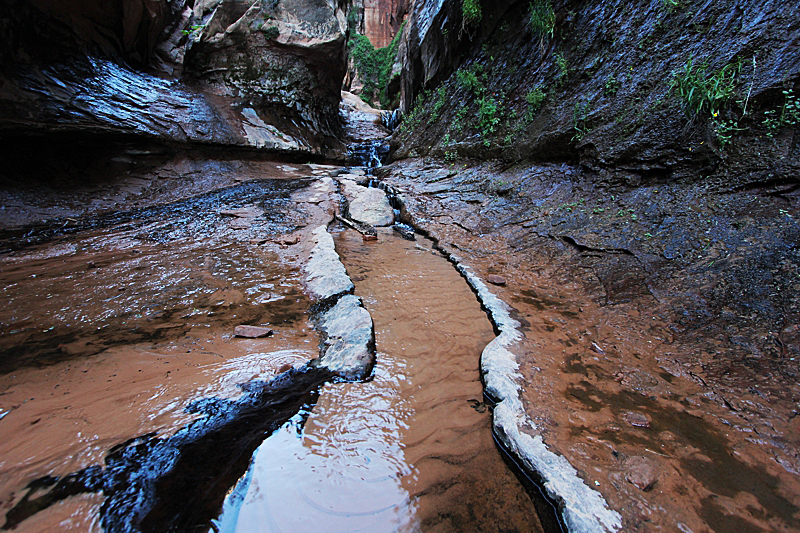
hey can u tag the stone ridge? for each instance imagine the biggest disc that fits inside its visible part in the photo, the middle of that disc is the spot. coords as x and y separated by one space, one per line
326 276
348 346
583 509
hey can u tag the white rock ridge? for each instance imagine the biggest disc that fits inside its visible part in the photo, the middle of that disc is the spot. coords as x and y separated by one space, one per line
348 349
584 510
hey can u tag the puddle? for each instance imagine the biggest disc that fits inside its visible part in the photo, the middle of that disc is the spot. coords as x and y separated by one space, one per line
410 450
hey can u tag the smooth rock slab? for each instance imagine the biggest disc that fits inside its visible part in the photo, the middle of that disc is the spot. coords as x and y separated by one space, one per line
367 204
326 276
349 347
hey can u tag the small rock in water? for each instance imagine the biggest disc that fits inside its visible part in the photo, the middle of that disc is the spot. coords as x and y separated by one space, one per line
252 332
637 420
495 279
288 241
641 472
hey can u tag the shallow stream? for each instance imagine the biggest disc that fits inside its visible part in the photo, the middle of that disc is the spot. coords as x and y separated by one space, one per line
120 382
411 449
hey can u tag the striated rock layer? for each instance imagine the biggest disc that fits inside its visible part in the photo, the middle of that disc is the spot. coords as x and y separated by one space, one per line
224 73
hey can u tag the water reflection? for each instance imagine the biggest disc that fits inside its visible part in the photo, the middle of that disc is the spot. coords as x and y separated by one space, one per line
341 472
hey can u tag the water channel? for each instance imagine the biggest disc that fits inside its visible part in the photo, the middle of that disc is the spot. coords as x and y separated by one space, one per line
411 449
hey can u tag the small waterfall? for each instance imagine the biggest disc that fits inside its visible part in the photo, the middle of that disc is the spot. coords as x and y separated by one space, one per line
391 119
369 154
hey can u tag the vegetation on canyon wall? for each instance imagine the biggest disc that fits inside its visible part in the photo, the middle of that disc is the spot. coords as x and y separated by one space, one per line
374 66
542 81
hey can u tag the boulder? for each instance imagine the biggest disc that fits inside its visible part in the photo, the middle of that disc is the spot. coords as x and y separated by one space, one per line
368 204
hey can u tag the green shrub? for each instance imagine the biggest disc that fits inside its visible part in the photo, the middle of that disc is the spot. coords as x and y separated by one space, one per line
471 12
542 18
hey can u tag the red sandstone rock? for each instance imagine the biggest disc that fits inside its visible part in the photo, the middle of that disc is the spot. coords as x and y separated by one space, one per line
641 472
252 332
496 280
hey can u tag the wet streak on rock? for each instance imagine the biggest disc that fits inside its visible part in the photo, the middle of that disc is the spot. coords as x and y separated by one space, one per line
179 483
714 465
190 216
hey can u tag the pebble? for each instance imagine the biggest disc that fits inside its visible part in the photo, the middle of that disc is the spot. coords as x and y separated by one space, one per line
494 279
635 419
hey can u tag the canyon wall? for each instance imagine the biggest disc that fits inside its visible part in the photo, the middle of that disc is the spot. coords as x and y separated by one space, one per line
253 75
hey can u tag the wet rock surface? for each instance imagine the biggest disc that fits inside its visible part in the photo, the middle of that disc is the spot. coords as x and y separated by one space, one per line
368 205
139 303
633 363
70 71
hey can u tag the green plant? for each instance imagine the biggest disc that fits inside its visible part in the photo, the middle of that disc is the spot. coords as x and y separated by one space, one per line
471 78
489 110
611 86
789 114
461 114
563 68
542 18
724 130
271 33
700 91
535 98
450 156
441 98
671 5
579 115
194 30
471 12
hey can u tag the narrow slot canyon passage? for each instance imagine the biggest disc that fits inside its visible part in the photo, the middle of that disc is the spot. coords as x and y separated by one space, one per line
409 450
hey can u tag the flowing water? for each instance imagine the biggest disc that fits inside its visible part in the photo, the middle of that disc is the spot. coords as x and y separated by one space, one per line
410 450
